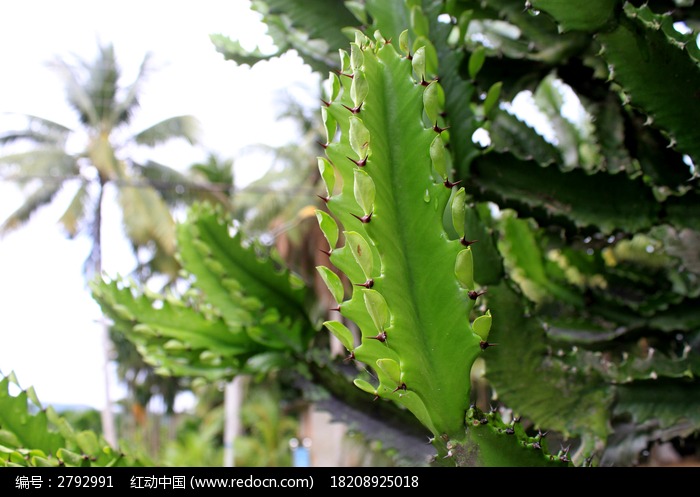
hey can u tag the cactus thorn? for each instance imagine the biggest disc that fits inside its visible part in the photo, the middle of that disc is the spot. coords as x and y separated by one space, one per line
350 357
450 184
381 337
438 129
323 145
337 309
473 294
327 104
354 110
365 219
340 73
325 199
466 242
485 345
327 252
367 284
359 163
402 386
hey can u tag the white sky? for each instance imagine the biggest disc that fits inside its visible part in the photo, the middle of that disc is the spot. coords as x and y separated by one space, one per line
48 331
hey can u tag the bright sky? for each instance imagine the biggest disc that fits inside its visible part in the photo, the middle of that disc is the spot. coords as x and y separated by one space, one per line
48 331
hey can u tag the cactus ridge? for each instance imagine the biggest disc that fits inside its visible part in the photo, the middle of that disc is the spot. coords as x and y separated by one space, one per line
391 201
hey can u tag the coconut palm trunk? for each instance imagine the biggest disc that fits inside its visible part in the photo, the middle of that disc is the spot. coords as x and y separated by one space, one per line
109 428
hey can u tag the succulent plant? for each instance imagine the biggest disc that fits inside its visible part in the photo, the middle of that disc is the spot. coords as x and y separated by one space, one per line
578 305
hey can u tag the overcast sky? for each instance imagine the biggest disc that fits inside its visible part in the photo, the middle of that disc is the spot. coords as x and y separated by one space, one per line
48 331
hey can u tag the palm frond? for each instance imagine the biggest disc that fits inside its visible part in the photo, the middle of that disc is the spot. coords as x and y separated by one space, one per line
178 189
185 126
215 170
147 218
77 94
76 213
43 195
48 164
124 108
38 131
103 82
277 196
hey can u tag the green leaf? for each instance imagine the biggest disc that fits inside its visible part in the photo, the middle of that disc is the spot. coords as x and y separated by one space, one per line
361 251
30 431
329 228
391 368
439 156
332 281
358 89
476 61
594 17
342 333
482 326
359 138
459 211
464 269
364 191
419 63
363 385
433 101
377 309
87 441
492 97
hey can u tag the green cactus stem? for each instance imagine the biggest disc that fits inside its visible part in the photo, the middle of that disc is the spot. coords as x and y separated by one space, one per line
411 280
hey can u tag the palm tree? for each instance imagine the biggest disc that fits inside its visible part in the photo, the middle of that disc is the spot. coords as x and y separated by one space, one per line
105 109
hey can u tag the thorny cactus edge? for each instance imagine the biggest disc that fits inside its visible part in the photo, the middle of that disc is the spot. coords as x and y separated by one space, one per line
388 186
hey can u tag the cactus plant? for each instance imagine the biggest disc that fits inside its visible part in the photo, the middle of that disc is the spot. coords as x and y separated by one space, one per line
586 264
396 253
413 289
31 435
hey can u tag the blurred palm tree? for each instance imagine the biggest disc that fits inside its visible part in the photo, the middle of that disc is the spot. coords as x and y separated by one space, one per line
279 207
146 192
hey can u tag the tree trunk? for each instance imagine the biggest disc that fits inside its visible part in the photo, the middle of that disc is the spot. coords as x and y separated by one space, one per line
108 425
109 430
233 399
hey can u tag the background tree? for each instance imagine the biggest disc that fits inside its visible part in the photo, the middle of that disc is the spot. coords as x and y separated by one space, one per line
51 163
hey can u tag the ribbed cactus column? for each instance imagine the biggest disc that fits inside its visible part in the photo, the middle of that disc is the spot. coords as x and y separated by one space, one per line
386 172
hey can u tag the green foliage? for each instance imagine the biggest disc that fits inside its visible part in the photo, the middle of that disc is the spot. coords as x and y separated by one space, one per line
241 313
268 427
312 28
583 319
31 435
